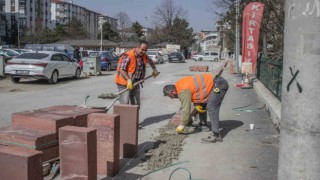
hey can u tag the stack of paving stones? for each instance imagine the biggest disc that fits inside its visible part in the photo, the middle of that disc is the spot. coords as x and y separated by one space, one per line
199 68
33 138
88 141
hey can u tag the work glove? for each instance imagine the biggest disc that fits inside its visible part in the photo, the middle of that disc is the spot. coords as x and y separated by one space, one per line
129 84
199 109
216 90
155 73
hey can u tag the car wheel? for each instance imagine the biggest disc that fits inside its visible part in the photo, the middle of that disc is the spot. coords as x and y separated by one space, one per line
54 77
15 79
215 59
200 59
108 67
78 73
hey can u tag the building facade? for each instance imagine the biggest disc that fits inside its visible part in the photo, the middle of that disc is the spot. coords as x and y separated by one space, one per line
20 17
62 12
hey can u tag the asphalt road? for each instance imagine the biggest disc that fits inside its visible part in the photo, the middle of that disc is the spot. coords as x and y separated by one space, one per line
35 94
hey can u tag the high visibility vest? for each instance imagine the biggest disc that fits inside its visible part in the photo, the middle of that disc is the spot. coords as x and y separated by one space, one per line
199 85
131 68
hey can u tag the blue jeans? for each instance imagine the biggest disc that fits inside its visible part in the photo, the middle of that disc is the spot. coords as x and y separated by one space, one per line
133 95
214 102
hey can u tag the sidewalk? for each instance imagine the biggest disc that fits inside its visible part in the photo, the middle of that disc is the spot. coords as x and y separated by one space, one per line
244 154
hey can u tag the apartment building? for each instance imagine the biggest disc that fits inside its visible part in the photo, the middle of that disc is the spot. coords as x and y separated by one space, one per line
25 13
62 12
2 22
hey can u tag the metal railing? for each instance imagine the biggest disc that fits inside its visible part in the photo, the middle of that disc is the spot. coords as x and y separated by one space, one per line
269 72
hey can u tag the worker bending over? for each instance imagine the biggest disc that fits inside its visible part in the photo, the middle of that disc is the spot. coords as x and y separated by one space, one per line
202 90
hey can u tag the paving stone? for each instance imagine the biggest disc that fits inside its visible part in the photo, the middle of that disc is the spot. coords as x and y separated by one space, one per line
129 119
108 142
20 163
30 138
78 153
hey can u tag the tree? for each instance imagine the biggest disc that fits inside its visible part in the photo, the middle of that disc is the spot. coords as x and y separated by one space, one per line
124 20
137 30
167 12
108 33
181 33
75 29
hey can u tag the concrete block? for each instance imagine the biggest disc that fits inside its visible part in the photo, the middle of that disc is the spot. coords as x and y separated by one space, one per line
41 120
203 68
78 153
176 119
29 138
79 114
108 142
20 163
129 119
193 68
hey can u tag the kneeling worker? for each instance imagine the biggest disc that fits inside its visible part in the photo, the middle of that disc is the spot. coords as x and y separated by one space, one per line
201 89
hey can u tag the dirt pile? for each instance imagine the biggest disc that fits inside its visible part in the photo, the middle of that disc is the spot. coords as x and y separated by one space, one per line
167 148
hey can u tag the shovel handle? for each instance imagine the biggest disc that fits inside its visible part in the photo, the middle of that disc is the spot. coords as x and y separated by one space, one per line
135 84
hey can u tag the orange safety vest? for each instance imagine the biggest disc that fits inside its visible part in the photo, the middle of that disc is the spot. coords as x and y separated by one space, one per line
199 85
131 68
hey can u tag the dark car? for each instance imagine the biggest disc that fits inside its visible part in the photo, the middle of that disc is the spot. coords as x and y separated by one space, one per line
176 57
109 60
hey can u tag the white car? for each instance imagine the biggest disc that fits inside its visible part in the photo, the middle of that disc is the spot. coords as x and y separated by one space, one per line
49 65
207 56
155 56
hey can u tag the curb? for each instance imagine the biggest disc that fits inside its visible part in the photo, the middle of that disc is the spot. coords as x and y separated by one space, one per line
273 105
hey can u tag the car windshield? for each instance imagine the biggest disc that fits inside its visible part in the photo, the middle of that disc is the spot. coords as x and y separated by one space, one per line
9 53
32 56
175 54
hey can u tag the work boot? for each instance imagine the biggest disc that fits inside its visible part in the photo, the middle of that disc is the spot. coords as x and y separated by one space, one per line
216 137
184 129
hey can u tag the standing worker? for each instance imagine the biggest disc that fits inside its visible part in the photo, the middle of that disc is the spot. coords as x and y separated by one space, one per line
202 89
132 68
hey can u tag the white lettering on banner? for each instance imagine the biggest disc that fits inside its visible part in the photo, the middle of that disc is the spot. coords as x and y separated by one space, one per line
252 23
255 7
253 15
250 46
251 30
250 38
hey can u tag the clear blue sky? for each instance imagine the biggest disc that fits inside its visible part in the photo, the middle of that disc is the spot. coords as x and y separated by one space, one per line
198 16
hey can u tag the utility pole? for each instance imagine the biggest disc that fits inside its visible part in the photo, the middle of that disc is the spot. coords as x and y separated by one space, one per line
299 148
38 20
237 53
101 22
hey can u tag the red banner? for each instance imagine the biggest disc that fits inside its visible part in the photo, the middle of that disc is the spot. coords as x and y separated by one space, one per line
252 15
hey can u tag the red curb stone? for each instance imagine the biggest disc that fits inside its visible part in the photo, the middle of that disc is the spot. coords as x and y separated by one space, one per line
29 138
108 142
20 163
129 119
78 153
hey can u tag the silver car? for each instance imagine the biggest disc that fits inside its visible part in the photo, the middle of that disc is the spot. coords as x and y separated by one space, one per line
155 56
49 65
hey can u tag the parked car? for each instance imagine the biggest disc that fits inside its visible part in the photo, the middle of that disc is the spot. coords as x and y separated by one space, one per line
21 51
64 48
109 60
176 57
49 65
155 56
207 56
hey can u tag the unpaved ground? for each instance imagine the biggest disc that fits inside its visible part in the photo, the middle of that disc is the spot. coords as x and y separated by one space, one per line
167 148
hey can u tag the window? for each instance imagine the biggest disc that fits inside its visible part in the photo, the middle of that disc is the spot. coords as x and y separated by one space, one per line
65 58
56 57
214 54
206 54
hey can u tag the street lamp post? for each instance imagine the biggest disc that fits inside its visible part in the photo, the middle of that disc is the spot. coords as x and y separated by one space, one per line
237 48
101 22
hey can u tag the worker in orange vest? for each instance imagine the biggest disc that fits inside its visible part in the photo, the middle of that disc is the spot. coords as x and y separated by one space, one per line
206 91
132 68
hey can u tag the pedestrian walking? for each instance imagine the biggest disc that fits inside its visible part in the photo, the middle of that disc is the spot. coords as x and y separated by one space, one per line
206 91
132 68
76 54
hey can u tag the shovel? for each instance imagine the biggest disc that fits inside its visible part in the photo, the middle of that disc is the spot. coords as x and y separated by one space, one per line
114 96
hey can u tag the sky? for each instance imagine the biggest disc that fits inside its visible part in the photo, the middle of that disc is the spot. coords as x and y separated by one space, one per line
198 16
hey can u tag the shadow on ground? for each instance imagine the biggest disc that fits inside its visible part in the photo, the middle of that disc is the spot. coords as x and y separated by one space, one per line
229 125
155 119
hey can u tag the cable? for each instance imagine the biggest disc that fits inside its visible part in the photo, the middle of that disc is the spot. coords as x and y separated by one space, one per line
242 108
162 169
